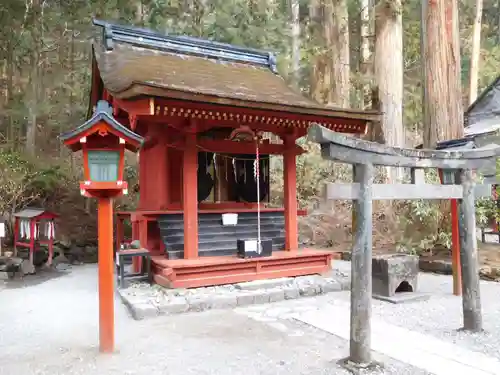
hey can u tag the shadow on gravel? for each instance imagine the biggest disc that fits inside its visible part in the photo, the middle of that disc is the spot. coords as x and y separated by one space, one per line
42 275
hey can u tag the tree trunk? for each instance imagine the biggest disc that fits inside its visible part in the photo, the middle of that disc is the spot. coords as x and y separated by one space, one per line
62 62
498 22
475 52
72 55
316 81
366 63
388 66
34 79
442 100
336 34
456 119
295 31
10 92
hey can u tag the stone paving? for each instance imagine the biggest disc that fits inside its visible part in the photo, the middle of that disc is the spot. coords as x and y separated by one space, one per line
145 301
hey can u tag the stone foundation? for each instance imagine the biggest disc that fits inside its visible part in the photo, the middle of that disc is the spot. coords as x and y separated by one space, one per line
144 301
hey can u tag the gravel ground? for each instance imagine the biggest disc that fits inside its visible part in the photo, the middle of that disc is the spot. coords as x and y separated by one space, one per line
51 328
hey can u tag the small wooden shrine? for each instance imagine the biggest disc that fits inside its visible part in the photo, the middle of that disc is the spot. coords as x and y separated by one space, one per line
34 227
202 108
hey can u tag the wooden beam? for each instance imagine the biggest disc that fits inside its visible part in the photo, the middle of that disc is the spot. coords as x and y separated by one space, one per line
226 146
136 107
207 111
180 123
346 191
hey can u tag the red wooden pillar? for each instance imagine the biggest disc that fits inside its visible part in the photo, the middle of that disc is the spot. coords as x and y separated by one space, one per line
190 197
455 249
51 250
32 241
160 177
143 180
16 234
119 232
106 268
455 245
290 195
142 228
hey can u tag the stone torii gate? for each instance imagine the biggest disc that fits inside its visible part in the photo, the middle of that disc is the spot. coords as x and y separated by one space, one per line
364 155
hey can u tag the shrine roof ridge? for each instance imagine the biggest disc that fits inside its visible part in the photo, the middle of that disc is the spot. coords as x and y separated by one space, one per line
186 45
104 112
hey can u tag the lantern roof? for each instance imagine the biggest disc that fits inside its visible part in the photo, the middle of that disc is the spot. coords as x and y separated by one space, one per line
34 212
103 115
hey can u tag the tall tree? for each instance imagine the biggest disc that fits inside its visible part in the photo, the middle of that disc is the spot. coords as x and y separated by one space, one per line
366 63
316 39
475 52
35 76
295 31
442 96
336 34
388 66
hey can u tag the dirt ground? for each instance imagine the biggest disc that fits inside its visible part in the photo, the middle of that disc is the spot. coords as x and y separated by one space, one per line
489 259
489 256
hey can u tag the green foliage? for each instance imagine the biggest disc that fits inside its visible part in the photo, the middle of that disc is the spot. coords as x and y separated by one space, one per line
23 182
62 33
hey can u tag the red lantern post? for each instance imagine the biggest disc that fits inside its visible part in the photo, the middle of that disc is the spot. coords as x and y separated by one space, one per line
103 142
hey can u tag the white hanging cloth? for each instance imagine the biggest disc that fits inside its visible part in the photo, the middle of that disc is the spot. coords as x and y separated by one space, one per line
21 229
25 229
49 230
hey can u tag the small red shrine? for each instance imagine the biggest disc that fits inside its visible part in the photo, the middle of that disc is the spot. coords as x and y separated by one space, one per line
202 107
34 227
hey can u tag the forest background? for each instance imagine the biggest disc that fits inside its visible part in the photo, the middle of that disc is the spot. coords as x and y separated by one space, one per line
347 53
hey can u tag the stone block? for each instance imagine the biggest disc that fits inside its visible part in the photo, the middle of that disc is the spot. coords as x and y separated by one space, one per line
141 311
261 296
276 295
291 292
405 297
309 285
245 299
199 303
331 286
224 301
394 273
263 284
175 305
345 284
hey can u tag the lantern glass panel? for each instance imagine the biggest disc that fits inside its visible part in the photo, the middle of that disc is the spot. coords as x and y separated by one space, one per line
103 165
449 176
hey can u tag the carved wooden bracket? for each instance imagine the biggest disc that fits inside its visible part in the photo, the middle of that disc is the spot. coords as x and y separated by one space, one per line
133 120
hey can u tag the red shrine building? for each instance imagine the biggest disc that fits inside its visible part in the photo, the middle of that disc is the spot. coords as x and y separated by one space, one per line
203 108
